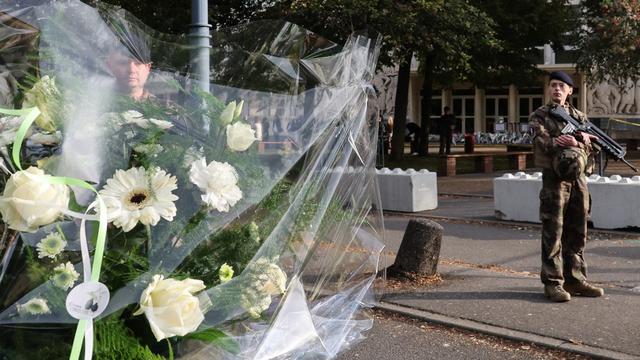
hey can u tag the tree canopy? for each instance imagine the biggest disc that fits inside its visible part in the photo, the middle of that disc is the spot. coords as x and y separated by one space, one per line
522 28
485 42
174 17
609 42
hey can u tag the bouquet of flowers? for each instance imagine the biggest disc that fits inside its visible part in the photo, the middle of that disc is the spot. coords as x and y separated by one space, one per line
143 217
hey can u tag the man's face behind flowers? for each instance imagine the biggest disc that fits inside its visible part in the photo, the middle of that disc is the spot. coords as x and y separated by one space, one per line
131 74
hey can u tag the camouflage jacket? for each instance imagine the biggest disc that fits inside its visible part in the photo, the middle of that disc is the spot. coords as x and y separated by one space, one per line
545 129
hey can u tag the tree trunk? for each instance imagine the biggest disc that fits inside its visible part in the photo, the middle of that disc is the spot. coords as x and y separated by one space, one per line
400 113
425 104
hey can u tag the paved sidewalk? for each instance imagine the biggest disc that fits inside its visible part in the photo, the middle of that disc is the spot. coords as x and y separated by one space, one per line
491 284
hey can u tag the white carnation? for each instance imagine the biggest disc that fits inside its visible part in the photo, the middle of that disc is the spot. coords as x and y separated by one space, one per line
218 181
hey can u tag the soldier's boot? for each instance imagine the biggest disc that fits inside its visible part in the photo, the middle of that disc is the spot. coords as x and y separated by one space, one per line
556 293
583 289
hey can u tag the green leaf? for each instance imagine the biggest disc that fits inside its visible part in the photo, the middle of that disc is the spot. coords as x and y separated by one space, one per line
216 337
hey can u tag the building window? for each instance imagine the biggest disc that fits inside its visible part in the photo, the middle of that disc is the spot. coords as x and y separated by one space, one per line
497 107
464 109
436 110
526 105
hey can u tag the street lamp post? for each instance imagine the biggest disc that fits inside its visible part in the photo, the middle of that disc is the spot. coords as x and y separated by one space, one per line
200 40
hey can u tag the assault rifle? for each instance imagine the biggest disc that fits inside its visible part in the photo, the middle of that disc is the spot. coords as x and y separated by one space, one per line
606 143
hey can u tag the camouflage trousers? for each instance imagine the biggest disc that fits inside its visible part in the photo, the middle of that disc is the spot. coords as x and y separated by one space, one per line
564 208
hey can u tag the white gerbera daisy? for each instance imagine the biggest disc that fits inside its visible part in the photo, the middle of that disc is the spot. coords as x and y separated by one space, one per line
51 245
139 195
64 276
218 181
35 306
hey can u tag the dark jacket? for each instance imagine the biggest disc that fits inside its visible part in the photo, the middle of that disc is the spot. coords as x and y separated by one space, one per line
447 121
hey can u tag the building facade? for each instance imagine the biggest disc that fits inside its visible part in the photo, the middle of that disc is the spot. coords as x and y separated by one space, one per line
507 108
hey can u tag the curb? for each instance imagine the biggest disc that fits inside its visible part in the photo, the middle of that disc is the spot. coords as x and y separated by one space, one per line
486 196
500 222
516 335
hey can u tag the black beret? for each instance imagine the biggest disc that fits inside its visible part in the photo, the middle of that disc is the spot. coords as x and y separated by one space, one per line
562 76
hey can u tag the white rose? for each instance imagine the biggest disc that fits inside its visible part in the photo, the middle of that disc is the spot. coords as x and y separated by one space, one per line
240 136
170 306
30 201
238 109
227 115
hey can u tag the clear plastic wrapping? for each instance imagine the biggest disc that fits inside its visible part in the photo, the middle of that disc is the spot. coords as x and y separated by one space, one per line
243 222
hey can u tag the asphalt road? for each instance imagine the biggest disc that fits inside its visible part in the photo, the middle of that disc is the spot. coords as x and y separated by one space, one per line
395 337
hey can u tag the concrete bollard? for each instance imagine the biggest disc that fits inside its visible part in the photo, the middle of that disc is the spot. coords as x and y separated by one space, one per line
420 248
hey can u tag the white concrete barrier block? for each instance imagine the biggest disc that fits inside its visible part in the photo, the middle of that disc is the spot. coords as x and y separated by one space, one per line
615 200
615 203
408 191
516 197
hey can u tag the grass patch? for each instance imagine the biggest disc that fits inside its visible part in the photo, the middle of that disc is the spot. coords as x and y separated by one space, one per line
463 166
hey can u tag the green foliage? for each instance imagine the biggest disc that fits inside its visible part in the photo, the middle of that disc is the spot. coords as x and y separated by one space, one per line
455 33
521 27
486 42
235 246
337 20
217 338
174 17
125 258
115 341
278 194
609 40
28 343
37 271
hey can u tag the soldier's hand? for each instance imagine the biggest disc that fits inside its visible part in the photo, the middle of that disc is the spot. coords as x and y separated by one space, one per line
565 141
587 138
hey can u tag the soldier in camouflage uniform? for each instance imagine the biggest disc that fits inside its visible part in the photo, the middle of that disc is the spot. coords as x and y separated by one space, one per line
564 198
